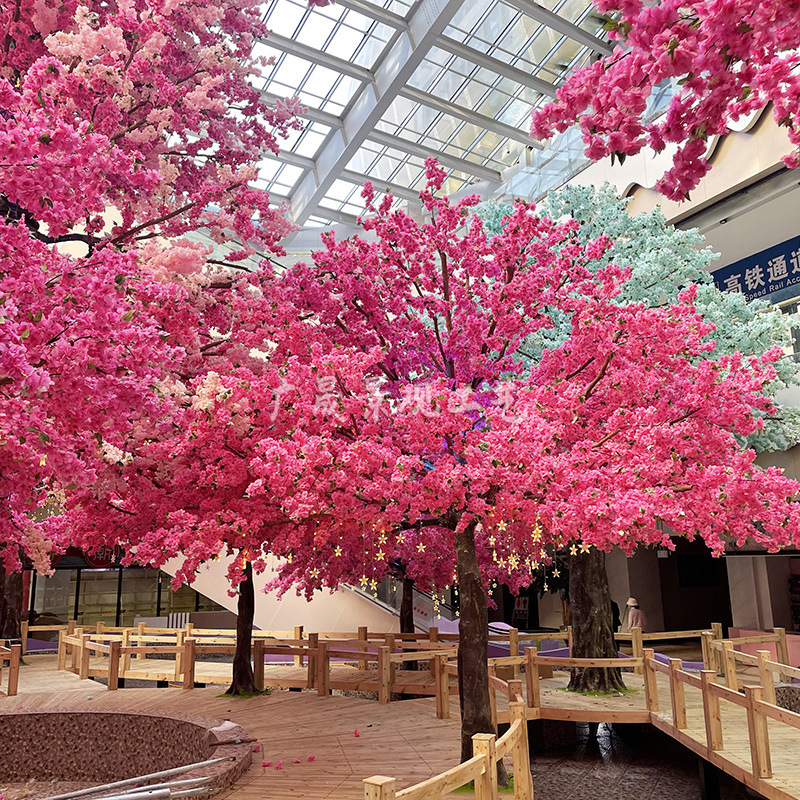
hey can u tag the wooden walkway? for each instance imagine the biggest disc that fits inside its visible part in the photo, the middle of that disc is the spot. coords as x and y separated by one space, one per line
404 739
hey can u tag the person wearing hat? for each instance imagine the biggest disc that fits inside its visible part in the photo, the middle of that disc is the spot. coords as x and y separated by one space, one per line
634 618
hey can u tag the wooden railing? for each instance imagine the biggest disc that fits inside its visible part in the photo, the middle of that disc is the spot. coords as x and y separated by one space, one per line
11 655
381 654
759 707
721 656
487 751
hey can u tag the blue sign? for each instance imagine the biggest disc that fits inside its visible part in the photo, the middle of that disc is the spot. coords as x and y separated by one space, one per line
769 272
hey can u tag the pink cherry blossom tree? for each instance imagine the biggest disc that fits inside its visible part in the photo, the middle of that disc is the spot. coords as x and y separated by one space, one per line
397 416
123 127
729 58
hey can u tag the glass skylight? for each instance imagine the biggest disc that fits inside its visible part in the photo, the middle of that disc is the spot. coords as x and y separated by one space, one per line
459 97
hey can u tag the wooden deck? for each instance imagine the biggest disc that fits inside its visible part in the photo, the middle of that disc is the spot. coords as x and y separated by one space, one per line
404 738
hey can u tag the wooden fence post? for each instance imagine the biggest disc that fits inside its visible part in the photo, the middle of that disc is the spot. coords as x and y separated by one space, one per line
716 634
180 636
759 735
781 646
650 682
23 632
705 645
13 670
62 649
433 636
532 678
189 665
323 670
765 676
493 697
384 676
298 635
363 642
730 668
101 627
83 673
521 759
391 643
513 649
637 644
313 644
514 689
258 664
71 625
569 639
379 788
113 665
484 744
126 657
442 684
140 631
711 715
73 662
677 694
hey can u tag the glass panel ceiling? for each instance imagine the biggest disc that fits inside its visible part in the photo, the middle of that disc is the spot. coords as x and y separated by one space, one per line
465 67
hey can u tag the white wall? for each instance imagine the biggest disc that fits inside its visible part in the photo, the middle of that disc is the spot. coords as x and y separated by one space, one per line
342 610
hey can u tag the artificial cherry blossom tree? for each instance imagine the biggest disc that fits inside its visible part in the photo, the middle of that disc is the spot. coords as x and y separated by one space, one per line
728 58
662 260
397 416
124 126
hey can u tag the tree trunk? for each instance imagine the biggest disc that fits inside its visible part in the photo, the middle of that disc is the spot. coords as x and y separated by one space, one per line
407 615
10 605
243 680
473 630
592 635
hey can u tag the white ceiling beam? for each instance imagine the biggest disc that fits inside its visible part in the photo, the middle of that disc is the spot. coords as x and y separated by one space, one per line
386 187
495 65
428 20
445 159
378 13
311 114
560 24
468 115
288 157
320 57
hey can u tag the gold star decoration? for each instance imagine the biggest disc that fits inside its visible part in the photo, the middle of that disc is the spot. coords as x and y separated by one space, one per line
502 525
382 538
556 573
492 540
401 537
337 551
545 588
363 581
585 548
315 573
420 548
573 550
373 584
380 555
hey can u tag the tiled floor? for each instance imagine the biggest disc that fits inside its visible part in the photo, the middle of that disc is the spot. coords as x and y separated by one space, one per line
633 762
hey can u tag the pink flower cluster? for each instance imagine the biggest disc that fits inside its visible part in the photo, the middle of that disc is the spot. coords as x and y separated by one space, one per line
729 57
631 422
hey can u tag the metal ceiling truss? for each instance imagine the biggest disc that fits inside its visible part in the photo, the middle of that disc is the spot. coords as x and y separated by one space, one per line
409 45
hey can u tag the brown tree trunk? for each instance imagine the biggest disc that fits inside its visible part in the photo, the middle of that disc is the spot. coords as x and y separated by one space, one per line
407 614
243 681
10 605
592 636
473 630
